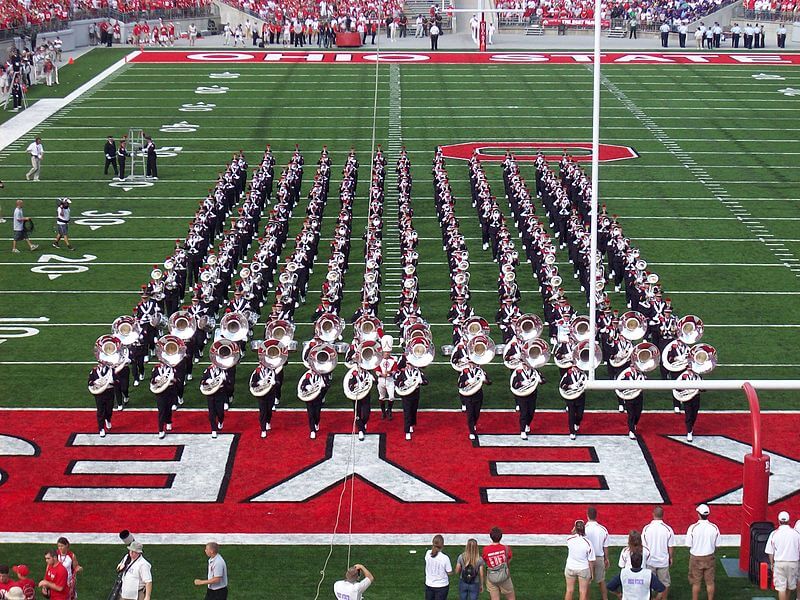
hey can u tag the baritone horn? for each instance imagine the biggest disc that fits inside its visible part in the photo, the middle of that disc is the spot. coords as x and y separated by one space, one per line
224 353
171 350
126 329
480 349
420 352
109 350
329 327
235 327
182 324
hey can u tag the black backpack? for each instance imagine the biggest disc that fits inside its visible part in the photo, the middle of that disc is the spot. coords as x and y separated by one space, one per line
469 573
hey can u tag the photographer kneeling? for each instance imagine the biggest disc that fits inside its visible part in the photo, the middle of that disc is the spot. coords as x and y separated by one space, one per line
350 588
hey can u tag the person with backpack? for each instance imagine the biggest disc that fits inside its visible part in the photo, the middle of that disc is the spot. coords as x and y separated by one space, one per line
471 571
497 556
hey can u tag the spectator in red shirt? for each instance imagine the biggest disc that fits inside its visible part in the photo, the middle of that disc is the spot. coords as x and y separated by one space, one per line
27 584
55 578
5 580
497 557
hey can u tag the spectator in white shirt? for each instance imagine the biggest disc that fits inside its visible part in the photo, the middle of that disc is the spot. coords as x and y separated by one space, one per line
598 537
660 541
438 569
580 562
36 150
702 539
783 549
352 587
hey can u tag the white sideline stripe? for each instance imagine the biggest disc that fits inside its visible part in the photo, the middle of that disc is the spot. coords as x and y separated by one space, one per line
308 539
25 122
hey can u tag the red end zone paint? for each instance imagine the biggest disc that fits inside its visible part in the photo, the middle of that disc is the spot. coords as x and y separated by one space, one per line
54 469
581 151
526 58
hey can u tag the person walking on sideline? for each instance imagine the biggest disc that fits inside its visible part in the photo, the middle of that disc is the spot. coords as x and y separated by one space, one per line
19 229
217 580
36 150
438 569
580 562
352 587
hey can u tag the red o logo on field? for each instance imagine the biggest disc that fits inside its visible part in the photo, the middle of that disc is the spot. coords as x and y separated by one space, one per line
526 151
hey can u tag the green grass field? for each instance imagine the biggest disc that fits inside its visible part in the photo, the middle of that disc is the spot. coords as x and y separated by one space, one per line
720 231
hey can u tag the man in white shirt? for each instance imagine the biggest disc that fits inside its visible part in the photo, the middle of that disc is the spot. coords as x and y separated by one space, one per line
598 537
702 539
659 538
665 28
36 150
438 569
783 549
350 588
217 580
136 574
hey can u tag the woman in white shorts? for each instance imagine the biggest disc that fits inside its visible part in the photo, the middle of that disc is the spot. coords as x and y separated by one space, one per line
580 562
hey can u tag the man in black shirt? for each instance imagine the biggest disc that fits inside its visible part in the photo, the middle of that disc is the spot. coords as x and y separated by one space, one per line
110 151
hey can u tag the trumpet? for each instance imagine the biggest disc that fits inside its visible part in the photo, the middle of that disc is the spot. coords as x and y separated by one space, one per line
182 324
272 354
126 329
322 358
329 327
702 358
235 327
368 328
633 325
109 350
171 350
688 394
645 357
281 330
224 353
420 351
690 329
480 349
536 353
528 327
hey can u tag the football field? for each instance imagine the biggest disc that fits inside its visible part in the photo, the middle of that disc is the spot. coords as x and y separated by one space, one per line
710 195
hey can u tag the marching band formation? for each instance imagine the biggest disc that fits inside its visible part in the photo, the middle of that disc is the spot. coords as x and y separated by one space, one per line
646 337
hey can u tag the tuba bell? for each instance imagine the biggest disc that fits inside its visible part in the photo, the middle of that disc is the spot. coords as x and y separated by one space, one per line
322 358
480 349
633 325
702 358
646 357
420 351
281 330
630 374
357 384
368 355
475 326
368 328
688 394
234 327
272 354
675 356
182 324
171 350
224 353
690 329
585 357
579 328
528 327
126 329
109 350
536 353
329 327
156 274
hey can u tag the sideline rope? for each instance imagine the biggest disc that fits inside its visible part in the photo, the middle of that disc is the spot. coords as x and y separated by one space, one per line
350 471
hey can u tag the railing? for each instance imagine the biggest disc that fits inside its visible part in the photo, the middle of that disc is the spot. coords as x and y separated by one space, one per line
26 30
192 12
766 15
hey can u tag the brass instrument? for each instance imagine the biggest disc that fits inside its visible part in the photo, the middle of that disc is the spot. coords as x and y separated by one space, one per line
480 349
675 356
420 351
170 350
587 357
309 386
126 329
632 373
645 357
109 350
281 330
262 381
633 325
563 355
410 380
702 358
272 354
536 353
688 394
357 384
573 383
368 355
103 383
458 357
329 327
224 353
579 328
474 383
182 324
211 386
367 328
235 326
690 329
512 354
322 358
163 380
530 381
475 326
623 352
528 327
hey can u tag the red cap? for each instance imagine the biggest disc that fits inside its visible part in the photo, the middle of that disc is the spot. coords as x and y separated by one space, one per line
21 570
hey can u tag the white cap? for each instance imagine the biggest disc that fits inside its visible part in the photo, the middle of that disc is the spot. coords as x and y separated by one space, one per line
387 342
703 510
783 517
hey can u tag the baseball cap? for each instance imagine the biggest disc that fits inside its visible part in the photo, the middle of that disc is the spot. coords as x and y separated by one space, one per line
703 510
21 570
136 547
783 517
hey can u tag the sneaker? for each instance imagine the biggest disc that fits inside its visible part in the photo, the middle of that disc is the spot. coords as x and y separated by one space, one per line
411 429
269 427
226 406
361 436
276 403
463 408
408 437
631 435
71 248
621 408
313 435
34 247
27 175
196 360
523 435
15 250
214 435
572 436
219 425
316 427
677 409
136 382
189 377
472 436
527 428
125 400
689 437
161 435
516 408
180 401
108 424
54 245
577 427
169 426
263 434
174 407
102 433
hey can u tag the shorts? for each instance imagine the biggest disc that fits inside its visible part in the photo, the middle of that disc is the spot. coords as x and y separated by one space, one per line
702 568
20 235
784 576
577 573
663 574
599 569
506 587
62 228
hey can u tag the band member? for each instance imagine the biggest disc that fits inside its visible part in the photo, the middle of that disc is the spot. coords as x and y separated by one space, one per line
101 385
110 150
633 399
386 371
573 390
150 150
122 376
311 389
410 378
470 390
212 385
363 405
122 156
525 387
691 408
265 385
162 384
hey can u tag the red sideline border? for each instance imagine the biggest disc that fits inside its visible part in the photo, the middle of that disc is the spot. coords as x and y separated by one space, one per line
523 58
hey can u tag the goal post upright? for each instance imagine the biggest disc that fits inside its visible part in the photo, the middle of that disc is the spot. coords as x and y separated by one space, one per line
755 480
